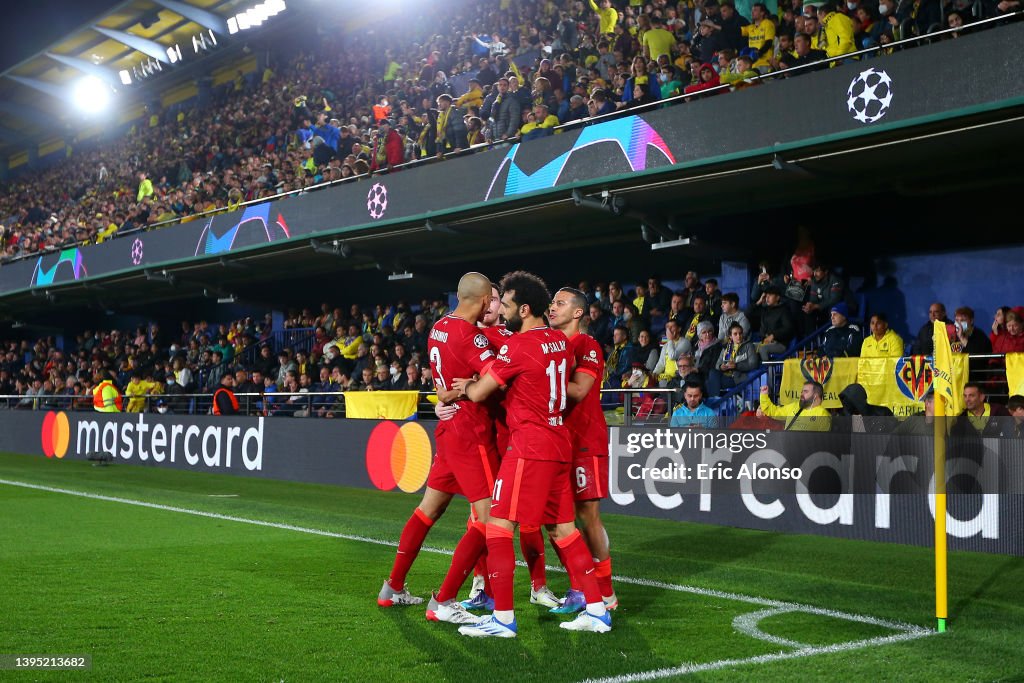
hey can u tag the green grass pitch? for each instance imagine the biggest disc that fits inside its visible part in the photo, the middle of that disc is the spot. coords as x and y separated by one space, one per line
164 594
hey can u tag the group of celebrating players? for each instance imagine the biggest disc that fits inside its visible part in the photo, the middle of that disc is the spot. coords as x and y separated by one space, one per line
523 437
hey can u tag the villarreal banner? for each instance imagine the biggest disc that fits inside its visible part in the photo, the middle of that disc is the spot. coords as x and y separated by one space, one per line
1015 373
899 384
834 374
381 405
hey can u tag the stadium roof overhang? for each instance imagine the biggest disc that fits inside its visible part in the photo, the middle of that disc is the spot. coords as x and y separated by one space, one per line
35 105
906 206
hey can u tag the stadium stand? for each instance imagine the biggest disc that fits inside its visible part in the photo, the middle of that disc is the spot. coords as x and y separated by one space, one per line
439 87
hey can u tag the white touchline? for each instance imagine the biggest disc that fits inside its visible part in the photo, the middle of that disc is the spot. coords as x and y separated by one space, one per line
685 669
746 624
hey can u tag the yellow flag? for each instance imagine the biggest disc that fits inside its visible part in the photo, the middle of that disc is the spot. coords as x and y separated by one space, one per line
834 374
942 369
1015 373
381 405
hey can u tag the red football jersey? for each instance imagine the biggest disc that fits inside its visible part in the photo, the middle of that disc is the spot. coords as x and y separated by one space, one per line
585 420
535 365
456 348
496 334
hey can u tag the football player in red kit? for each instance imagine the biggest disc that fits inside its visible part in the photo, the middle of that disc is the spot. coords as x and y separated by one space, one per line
533 482
466 460
586 423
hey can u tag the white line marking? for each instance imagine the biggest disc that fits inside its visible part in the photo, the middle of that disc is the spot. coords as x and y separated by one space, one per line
747 625
908 631
223 495
685 669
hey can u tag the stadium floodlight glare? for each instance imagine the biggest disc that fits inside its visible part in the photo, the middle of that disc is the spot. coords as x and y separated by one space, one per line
232 26
174 54
126 77
213 37
91 95
243 21
255 18
400 276
274 7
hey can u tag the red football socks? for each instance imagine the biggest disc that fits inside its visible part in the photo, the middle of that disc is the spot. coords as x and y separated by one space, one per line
531 543
573 583
603 571
408 547
580 565
501 566
469 549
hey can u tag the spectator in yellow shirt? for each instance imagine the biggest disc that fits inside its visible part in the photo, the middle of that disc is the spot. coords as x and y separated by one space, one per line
761 30
839 31
658 41
608 15
883 342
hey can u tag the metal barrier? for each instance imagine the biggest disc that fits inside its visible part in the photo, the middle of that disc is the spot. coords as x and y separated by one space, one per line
622 406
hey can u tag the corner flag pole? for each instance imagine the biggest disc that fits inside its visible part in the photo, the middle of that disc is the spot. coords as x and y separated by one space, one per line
942 373
941 607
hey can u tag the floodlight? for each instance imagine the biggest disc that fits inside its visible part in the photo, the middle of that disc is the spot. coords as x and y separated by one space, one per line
91 95
243 21
126 78
174 54
255 17
232 26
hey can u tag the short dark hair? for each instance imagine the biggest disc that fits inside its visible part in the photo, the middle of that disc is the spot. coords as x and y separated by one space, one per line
694 384
965 311
819 390
881 316
1016 401
712 281
579 299
974 385
731 297
527 289
735 326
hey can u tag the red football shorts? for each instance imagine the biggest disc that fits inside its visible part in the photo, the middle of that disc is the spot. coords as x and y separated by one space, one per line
463 466
533 492
589 477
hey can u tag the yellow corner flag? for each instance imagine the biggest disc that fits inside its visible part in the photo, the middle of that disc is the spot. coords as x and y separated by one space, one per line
942 367
942 381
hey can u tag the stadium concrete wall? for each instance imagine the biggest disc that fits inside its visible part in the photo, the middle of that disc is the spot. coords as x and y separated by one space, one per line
904 90
858 486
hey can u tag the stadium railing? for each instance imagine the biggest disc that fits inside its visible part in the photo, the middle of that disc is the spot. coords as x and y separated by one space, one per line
570 125
626 407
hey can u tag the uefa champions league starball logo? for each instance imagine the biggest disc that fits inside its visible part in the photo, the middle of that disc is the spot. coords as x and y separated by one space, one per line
377 201
137 251
869 95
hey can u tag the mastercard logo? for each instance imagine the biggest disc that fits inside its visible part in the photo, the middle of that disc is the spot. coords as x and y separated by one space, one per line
398 456
55 434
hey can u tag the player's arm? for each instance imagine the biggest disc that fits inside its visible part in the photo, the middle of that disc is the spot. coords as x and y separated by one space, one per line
447 395
478 390
580 385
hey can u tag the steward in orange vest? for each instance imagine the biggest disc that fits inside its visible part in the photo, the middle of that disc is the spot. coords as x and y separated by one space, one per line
224 400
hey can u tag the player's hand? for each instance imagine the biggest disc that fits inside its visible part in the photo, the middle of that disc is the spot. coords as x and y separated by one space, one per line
764 390
459 385
445 412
